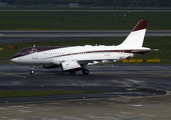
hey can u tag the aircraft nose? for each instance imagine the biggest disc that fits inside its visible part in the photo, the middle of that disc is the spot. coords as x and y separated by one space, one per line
13 58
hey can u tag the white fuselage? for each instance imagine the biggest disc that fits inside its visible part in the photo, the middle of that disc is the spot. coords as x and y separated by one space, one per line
79 53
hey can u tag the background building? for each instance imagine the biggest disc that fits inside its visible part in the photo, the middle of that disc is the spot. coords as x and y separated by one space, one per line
3 4
73 4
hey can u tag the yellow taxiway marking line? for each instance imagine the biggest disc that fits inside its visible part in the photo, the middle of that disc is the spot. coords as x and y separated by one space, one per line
12 74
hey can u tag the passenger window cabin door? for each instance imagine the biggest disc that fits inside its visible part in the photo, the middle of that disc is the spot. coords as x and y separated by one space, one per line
34 52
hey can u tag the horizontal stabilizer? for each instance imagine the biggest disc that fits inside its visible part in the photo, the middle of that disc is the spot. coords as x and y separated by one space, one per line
140 52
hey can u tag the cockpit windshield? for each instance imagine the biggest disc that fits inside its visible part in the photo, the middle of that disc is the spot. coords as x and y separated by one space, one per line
21 53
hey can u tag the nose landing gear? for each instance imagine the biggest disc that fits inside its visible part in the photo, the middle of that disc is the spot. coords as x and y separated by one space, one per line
32 70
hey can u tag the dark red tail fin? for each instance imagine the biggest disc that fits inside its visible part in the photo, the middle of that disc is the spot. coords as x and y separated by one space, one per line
142 24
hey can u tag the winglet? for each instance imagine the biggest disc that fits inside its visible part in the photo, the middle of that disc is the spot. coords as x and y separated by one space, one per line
142 24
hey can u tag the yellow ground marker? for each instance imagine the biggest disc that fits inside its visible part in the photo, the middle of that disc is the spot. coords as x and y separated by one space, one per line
152 60
141 60
133 60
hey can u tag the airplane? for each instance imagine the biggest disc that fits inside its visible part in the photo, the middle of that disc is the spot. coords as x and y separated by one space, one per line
74 58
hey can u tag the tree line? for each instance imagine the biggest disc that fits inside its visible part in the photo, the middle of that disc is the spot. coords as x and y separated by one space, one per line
112 3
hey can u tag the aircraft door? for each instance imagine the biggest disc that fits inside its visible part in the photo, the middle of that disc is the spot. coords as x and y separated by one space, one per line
34 52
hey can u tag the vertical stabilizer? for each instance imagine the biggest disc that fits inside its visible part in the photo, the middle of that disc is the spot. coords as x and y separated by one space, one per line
136 37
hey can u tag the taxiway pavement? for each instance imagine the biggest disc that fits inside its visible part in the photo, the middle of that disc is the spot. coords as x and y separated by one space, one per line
118 81
137 75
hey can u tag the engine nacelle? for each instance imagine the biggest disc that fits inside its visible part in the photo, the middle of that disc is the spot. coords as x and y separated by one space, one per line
70 65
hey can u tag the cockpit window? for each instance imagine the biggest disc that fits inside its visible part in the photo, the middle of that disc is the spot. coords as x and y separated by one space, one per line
21 53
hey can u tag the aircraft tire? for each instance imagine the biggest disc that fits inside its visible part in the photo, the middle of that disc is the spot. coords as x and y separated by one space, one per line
85 71
32 71
72 72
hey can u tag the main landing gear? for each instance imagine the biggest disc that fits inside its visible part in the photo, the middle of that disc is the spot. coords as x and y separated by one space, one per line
72 72
85 71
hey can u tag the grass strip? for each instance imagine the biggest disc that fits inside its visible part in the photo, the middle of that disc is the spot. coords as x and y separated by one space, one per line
11 94
49 20
79 8
1 62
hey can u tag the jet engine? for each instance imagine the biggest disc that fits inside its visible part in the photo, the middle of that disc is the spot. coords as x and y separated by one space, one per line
70 65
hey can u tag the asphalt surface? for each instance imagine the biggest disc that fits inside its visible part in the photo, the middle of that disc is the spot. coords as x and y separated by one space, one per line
32 36
118 108
118 80
131 92
107 75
